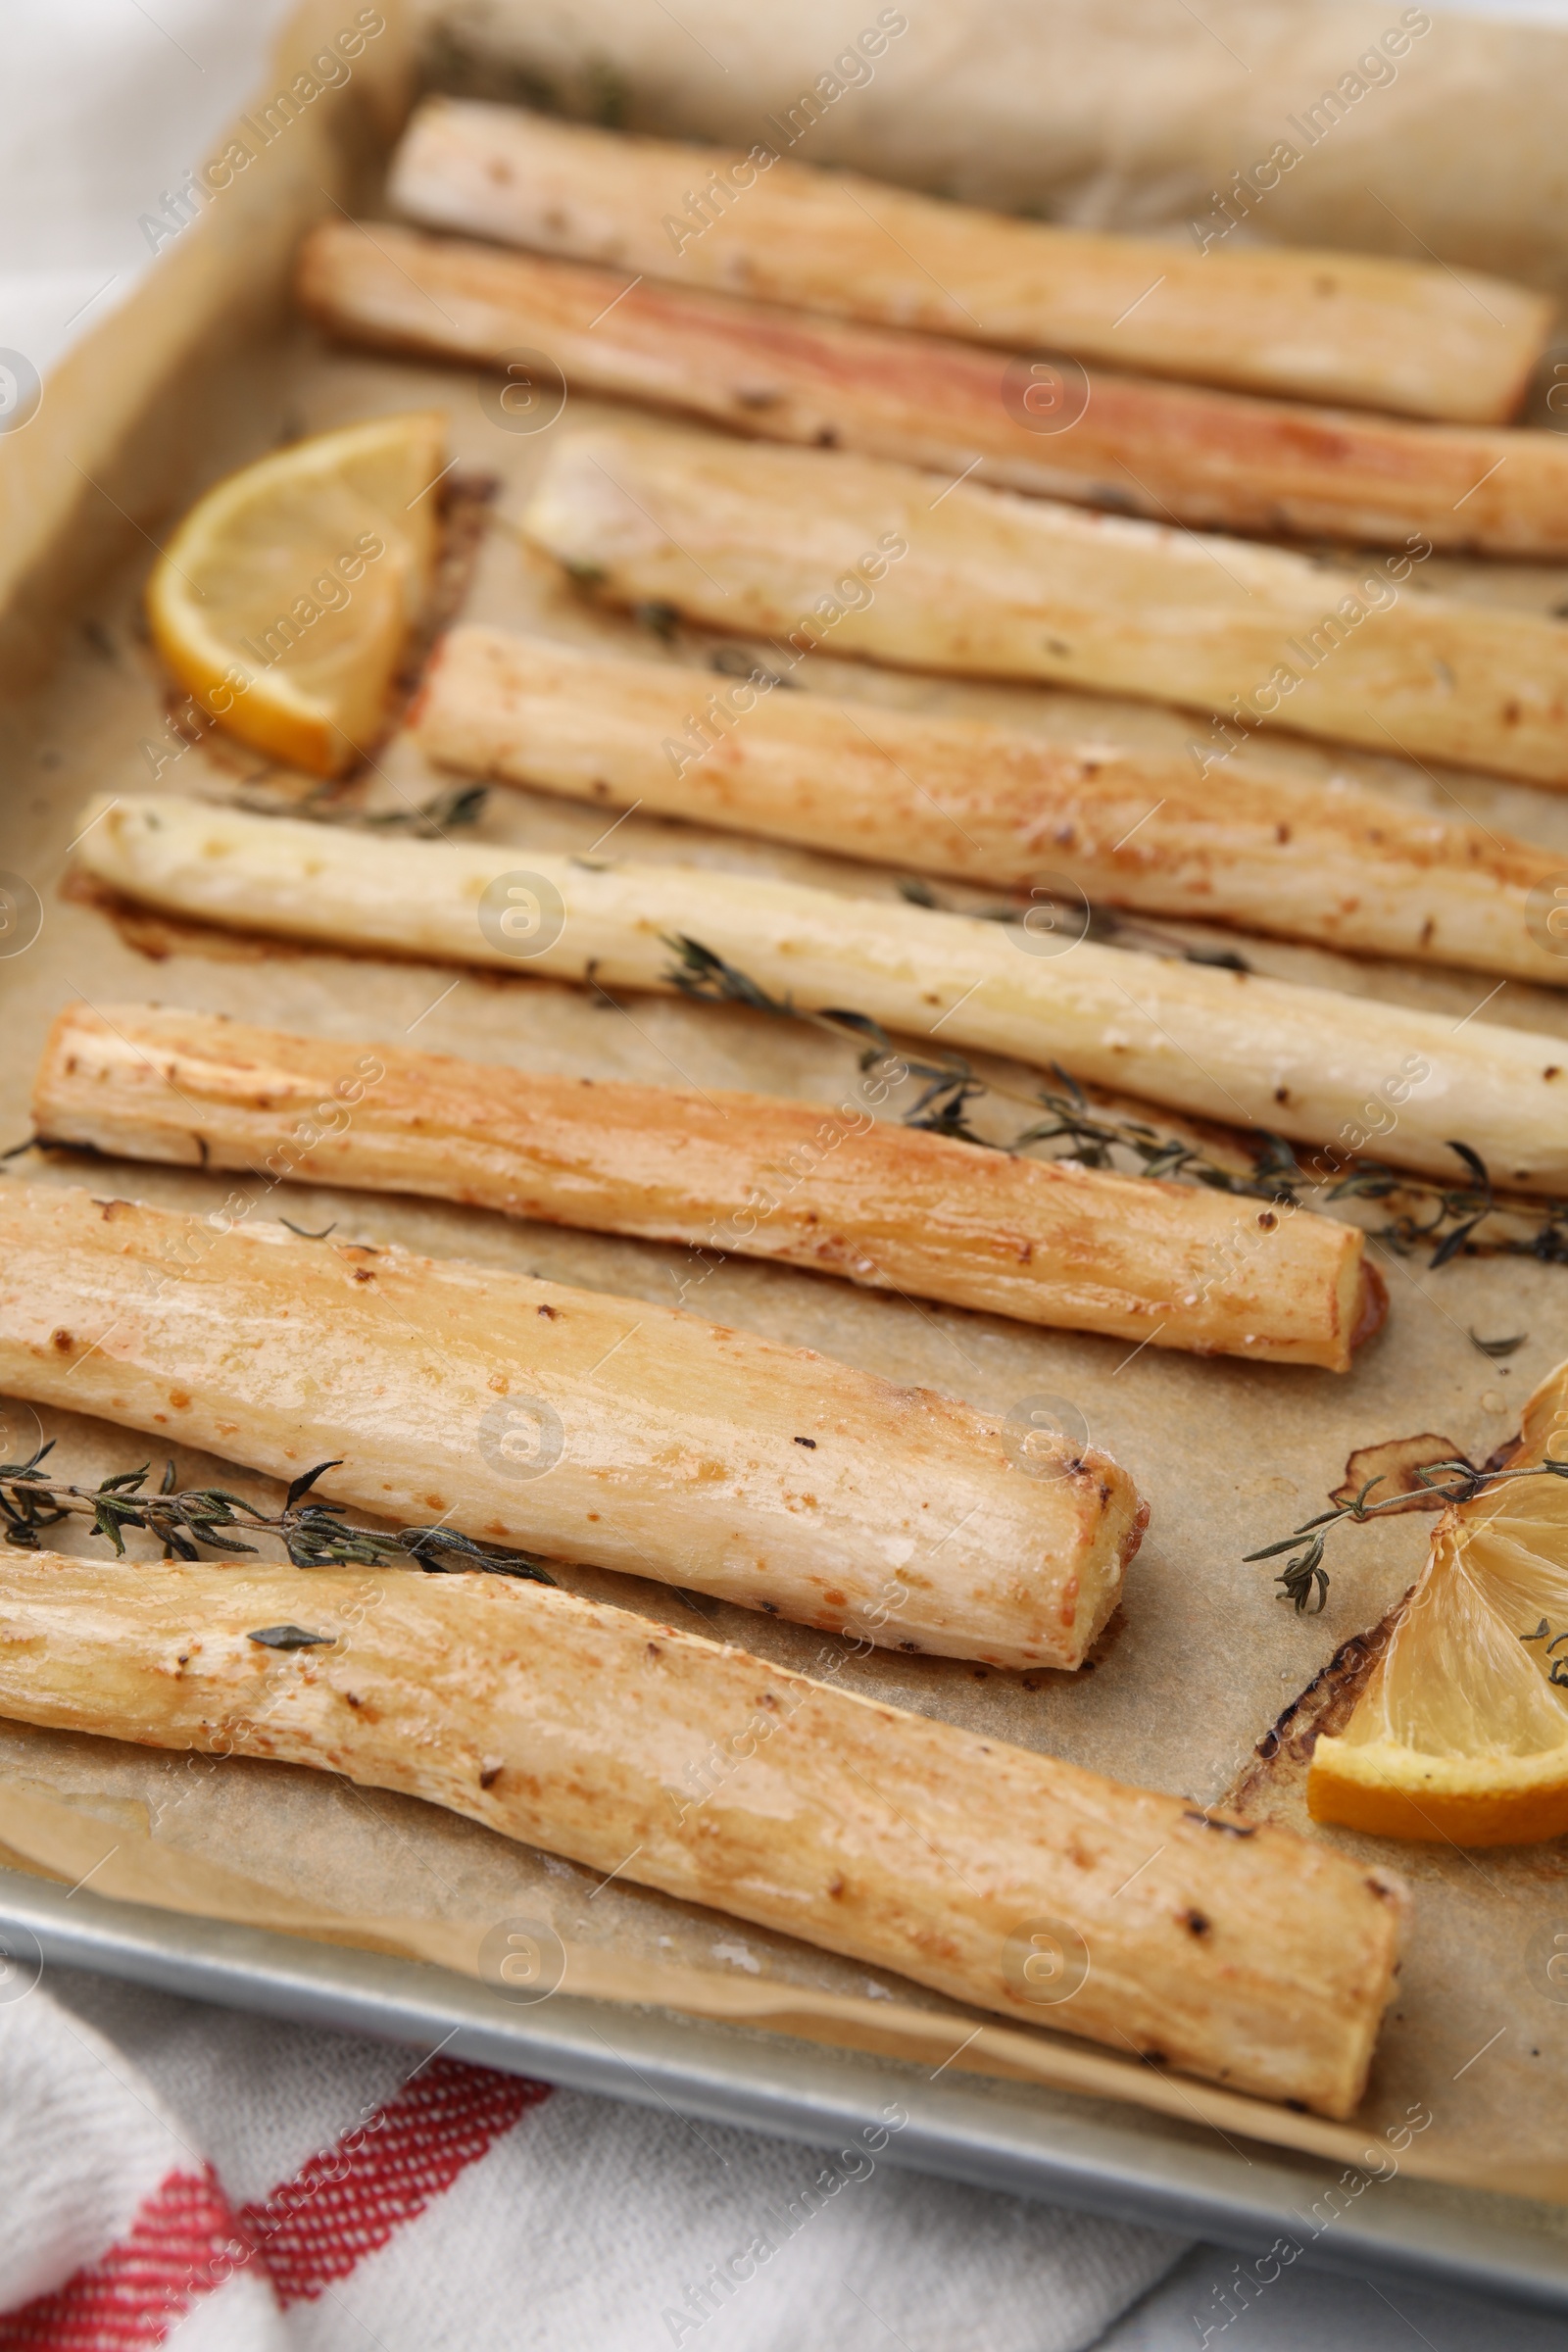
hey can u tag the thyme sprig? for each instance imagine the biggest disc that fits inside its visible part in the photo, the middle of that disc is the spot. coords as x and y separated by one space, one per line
426 820
1450 1482
948 1083
1096 1136
1446 1217
187 1519
1102 925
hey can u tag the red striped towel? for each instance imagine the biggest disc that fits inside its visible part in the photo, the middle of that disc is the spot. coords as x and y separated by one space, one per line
179 2173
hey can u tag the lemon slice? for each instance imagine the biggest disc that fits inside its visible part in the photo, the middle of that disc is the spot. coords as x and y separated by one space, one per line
283 600
1461 1733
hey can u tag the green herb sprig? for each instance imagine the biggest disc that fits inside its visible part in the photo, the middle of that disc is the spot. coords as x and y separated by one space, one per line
193 1518
1445 1217
1102 925
950 1082
1450 1482
426 820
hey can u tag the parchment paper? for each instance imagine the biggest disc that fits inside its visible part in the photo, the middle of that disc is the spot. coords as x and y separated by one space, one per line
1111 113
1192 1673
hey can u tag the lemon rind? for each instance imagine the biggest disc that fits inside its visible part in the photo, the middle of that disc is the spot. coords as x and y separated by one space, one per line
1461 1800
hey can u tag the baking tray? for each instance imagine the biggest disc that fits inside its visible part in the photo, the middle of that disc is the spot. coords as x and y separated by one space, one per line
220 374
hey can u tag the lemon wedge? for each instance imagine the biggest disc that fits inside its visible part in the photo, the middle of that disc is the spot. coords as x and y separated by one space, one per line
1461 1733
283 600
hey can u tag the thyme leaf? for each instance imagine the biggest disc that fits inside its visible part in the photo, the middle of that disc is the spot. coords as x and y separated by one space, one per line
196 1518
662 618
699 972
307 1480
1557 1671
735 661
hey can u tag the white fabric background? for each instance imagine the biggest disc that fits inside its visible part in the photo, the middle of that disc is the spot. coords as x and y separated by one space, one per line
103 105
582 2226
587 2220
